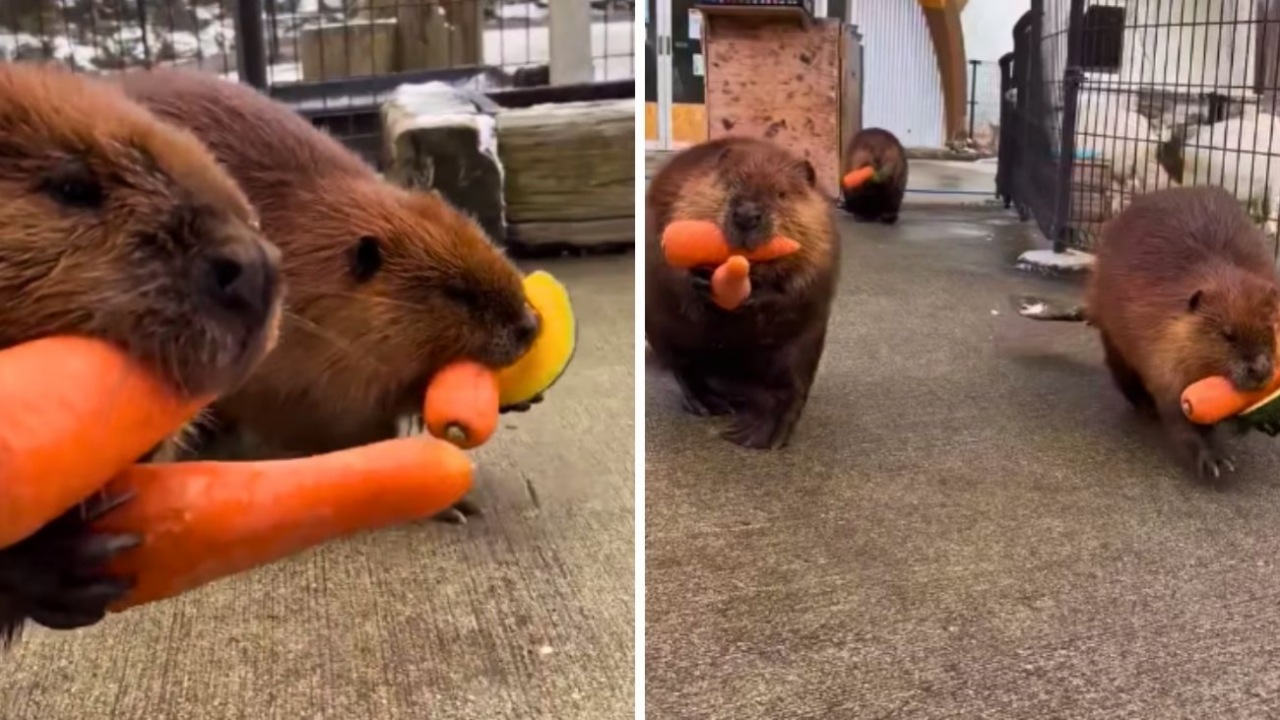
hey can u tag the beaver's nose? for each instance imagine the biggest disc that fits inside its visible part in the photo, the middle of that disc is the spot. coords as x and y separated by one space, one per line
747 216
527 329
243 277
1260 369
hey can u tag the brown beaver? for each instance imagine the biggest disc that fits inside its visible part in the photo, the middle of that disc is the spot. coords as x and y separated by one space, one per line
757 362
386 285
1184 288
120 227
879 198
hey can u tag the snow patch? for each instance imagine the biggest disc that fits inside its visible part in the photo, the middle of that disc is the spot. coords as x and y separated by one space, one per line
434 104
1069 261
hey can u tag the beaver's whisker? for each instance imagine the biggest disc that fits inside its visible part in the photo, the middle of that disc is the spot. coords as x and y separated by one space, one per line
344 345
385 300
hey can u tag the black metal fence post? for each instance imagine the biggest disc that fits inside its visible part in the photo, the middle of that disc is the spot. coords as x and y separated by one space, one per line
1071 81
1005 160
973 92
251 55
142 24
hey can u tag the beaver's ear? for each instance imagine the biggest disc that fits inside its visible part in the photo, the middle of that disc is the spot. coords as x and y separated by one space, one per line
810 175
366 258
1193 304
723 155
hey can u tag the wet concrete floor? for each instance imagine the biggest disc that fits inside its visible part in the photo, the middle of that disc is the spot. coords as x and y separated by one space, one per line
969 522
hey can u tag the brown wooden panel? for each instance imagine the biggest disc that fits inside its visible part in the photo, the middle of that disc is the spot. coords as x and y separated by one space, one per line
777 80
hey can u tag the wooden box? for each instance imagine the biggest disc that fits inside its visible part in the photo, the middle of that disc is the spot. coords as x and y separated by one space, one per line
784 77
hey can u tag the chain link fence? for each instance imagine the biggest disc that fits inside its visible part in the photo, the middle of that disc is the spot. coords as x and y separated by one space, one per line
333 60
1115 98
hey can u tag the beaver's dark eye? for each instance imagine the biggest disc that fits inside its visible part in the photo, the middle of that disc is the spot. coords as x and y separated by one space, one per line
782 194
462 295
1229 335
73 184
366 258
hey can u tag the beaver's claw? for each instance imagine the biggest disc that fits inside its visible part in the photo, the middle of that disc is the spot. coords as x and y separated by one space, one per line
522 406
56 577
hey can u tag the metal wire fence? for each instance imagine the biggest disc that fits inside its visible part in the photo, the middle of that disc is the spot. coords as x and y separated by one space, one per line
310 40
983 107
334 60
1122 97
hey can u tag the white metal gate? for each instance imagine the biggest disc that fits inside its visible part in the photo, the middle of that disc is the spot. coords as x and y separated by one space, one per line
902 92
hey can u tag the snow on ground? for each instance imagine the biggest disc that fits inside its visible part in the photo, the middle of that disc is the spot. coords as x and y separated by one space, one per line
126 43
1069 261
1239 154
1108 125
612 46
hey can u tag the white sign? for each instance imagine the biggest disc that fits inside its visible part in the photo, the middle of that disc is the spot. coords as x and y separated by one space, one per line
698 69
695 25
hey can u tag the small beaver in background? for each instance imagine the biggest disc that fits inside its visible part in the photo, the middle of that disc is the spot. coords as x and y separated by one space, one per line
758 361
1184 288
387 285
119 227
879 198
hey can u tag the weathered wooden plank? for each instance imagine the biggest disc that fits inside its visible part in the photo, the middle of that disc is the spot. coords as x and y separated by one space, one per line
334 50
569 161
574 232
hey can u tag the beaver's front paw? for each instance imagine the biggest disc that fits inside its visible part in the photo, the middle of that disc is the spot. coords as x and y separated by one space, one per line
759 432
56 577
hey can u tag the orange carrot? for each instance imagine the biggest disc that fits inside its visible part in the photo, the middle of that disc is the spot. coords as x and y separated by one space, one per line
694 243
201 521
730 284
1214 399
73 412
855 178
462 404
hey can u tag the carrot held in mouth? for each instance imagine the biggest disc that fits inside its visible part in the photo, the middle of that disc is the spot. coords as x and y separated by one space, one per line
856 178
700 243
462 404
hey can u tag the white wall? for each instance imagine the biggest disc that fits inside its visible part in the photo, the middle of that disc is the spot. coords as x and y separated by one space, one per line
1216 53
901 90
988 27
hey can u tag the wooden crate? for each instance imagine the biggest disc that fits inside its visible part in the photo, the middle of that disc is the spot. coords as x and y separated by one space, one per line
776 78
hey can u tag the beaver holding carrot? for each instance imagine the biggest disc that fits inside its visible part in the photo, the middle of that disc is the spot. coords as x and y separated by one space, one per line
876 178
387 285
1183 288
753 358
122 228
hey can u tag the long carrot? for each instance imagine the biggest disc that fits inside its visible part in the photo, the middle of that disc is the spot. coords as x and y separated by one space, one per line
201 521
462 404
73 412
854 178
730 283
1214 399
694 243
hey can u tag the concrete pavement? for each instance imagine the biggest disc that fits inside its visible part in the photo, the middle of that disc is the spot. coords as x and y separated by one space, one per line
969 522
524 613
